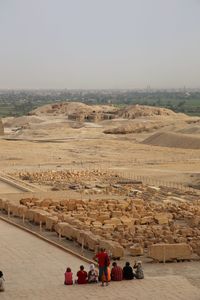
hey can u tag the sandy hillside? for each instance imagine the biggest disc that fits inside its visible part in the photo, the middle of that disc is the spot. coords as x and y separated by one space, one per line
169 139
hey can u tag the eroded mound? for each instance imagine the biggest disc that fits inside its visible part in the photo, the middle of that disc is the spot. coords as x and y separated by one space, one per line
76 111
80 111
168 139
136 111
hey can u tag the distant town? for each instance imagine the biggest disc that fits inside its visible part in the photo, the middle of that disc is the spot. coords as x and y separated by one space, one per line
20 102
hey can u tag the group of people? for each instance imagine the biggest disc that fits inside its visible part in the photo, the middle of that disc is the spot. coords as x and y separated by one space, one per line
105 274
2 288
83 277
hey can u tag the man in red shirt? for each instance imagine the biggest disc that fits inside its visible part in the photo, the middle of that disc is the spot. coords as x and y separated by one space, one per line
82 276
103 261
116 272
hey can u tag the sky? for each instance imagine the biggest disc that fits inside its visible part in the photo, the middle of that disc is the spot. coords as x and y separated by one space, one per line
99 44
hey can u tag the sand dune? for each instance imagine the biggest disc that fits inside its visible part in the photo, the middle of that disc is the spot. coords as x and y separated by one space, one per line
168 139
191 130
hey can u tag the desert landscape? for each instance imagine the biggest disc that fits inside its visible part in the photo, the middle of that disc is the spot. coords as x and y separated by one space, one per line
99 150
90 176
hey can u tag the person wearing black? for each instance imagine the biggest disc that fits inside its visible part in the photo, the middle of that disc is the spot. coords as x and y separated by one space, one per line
128 272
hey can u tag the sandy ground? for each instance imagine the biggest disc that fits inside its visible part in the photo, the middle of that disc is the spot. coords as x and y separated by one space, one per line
157 163
34 270
6 188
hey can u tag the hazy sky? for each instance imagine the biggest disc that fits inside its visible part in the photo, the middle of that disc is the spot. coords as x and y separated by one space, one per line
99 43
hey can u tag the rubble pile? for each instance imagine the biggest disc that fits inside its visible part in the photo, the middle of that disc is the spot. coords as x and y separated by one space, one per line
152 216
82 180
136 128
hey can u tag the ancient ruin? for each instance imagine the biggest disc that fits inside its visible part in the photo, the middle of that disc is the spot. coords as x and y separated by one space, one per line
140 218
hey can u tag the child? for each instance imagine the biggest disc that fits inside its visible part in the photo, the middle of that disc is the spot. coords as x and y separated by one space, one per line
68 277
2 288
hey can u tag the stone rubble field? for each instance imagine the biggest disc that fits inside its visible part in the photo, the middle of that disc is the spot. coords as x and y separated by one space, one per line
158 222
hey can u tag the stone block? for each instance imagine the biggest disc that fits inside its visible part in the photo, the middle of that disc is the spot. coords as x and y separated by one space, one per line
168 252
30 214
114 248
136 250
22 210
194 221
146 220
67 230
51 222
96 224
116 213
89 240
127 221
14 209
40 216
115 221
161 219
108 228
